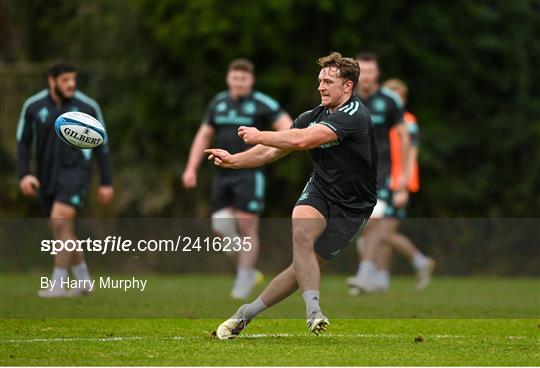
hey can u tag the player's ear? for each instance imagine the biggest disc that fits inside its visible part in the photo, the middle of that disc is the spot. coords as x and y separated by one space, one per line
51 81
348 85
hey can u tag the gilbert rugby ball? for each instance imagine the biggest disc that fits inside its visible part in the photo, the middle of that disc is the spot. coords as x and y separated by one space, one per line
80 130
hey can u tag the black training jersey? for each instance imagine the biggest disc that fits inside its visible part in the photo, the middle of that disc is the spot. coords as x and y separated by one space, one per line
386 110
226 115
36 125
345 170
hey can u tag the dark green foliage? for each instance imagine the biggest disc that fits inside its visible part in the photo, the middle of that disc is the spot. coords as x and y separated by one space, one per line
153 65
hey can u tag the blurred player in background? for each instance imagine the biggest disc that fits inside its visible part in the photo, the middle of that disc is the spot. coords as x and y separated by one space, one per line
386 110
237 195
423 265
338 198
63 173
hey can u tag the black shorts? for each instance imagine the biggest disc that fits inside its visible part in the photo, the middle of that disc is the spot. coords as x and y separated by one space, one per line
71 188
242 189
342 226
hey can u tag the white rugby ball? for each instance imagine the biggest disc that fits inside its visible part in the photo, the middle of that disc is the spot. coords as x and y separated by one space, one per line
80 130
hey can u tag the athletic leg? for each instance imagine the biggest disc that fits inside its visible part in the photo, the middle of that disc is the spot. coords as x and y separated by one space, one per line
61 222
63 227
374 235
248 202
248 227
247 277
308 224
423 265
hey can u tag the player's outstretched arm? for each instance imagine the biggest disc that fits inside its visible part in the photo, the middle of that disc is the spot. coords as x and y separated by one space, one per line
290 140
254 157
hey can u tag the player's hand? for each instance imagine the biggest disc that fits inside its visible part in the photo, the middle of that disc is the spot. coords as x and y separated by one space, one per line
220 157
105 194
400 198
402 182
250 135
189 179
28 185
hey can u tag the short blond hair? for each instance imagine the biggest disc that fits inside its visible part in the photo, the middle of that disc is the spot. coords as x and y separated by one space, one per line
397 84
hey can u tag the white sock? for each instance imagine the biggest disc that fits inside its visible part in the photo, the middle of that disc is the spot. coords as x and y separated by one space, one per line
383 278
254 308
244 275
81 271
419 260
59 274
366 269
311 298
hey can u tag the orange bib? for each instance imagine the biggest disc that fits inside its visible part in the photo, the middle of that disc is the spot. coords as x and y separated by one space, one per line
413 183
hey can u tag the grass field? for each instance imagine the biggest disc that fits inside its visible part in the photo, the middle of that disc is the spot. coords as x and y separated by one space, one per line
478 321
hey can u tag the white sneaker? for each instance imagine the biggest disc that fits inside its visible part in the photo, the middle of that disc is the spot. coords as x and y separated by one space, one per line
233 326
317 322
424 274
55 293
359 286
79 292
241 291
354 286
381 284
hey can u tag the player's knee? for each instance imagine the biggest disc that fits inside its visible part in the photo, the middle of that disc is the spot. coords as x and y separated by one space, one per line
245 227
61 211
62 228
248 225
385 241
368 239
302 239
290 269
224 224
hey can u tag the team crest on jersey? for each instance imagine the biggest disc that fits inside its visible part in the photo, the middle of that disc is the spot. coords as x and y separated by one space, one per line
379 104
43 114
248 108
222 106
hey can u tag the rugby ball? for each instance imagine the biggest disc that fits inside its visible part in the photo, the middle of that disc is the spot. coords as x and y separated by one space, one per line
80 130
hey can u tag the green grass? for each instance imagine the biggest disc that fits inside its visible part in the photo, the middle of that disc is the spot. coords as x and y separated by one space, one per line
170 324
269 342
207 296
